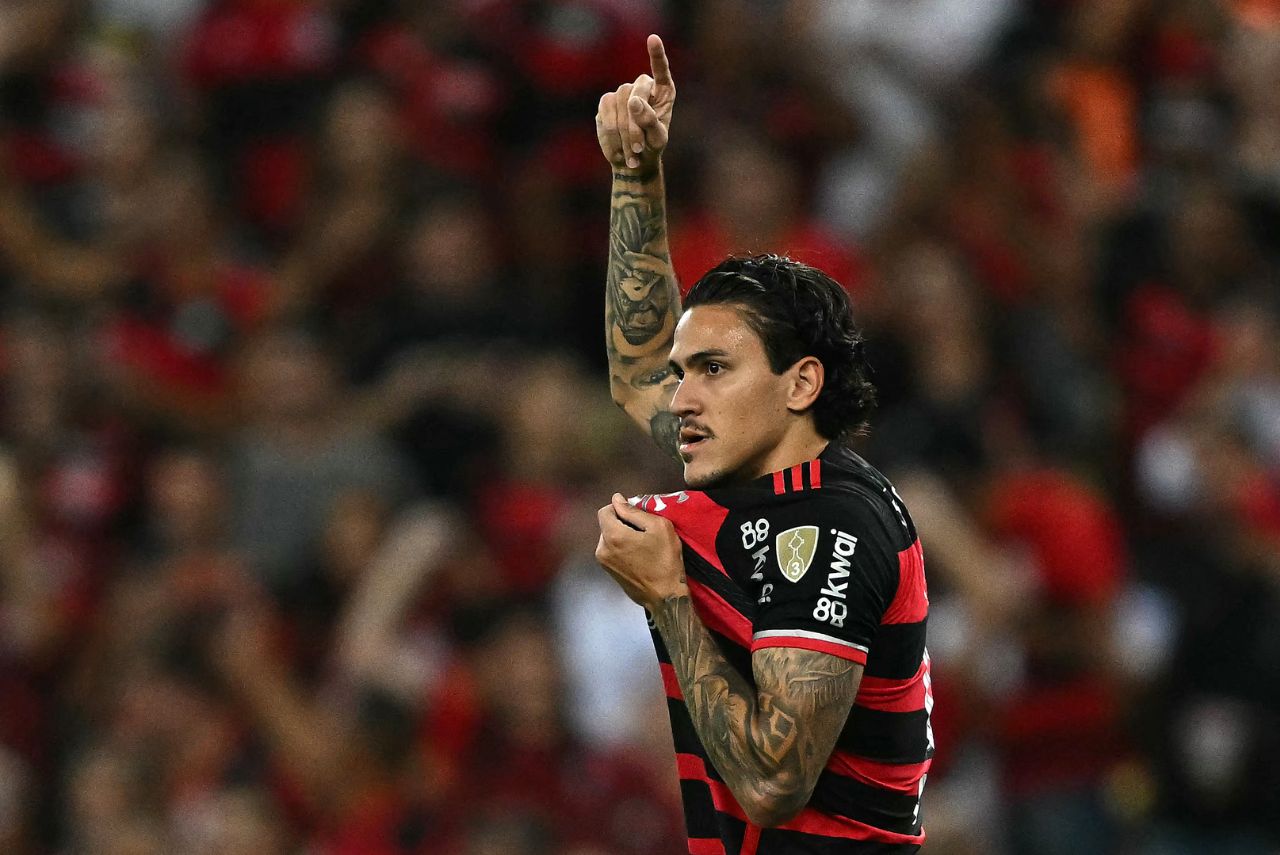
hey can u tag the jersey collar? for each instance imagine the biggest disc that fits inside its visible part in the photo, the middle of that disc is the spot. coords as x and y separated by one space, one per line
800 477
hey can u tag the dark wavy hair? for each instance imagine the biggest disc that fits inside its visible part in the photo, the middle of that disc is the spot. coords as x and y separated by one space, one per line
799 311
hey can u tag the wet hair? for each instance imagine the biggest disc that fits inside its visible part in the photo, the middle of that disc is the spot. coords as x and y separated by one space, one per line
799 311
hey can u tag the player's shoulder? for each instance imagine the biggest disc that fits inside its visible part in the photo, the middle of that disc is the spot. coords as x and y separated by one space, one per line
834 531
857 491
836 504
832 515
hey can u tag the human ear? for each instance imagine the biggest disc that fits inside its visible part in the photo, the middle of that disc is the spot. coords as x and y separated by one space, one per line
806 379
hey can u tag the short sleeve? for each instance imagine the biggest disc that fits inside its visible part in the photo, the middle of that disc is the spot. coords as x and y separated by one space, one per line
828 584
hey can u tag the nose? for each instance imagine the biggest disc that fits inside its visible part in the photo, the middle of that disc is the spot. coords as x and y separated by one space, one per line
684 401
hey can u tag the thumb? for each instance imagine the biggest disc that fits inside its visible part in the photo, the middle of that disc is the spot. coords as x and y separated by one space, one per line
629 514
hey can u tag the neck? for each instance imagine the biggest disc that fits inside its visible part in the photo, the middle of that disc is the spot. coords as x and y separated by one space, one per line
794 448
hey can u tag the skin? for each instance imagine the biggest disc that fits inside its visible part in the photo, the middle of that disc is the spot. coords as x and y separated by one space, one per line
704 390
738 420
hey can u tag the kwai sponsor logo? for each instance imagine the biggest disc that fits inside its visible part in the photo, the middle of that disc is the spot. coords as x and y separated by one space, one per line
832 606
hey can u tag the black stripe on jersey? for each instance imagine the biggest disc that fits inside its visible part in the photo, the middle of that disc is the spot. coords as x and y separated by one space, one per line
682 732
870 480
700 570
887 809
732 832
896 651
701 820
775 840
887 737
659 646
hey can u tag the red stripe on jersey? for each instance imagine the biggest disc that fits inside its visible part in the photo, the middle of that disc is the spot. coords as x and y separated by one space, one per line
811 821
779 483
670 682
725 802
815 473
814 644
690 767
705 846
877 693
717 614
697 519
751 839
911 603
808 821
797 480
899 777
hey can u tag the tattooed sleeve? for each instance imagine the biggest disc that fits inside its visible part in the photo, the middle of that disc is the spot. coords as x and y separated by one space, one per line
641 306
770 742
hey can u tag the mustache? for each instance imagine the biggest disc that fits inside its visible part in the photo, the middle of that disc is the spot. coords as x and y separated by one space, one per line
696 427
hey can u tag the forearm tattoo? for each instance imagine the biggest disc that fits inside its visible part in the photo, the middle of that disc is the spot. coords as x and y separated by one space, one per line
665 427
770 742
641 305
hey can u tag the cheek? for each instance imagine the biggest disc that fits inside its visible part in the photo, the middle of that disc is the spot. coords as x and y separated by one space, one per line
752 411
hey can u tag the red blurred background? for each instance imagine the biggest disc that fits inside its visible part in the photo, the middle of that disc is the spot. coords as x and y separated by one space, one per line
303 414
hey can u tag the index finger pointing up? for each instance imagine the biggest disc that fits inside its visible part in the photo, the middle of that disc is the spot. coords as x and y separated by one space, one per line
658 62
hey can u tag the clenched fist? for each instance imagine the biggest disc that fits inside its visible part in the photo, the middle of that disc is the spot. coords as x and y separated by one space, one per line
641 552
632 124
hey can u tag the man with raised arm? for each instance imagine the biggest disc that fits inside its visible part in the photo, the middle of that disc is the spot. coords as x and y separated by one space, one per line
786 587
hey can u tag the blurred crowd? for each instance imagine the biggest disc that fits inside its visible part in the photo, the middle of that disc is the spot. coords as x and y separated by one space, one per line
303 414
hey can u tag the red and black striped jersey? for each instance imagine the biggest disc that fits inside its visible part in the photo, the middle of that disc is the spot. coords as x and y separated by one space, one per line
822 556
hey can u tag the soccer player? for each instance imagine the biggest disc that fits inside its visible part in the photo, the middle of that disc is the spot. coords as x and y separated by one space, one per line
786 587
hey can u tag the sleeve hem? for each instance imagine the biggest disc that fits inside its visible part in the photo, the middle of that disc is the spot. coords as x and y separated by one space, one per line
844 650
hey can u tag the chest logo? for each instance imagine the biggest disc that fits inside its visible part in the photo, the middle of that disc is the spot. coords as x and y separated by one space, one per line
794 549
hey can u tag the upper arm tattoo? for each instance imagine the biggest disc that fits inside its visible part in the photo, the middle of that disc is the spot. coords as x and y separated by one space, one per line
771 742
641 302
814 691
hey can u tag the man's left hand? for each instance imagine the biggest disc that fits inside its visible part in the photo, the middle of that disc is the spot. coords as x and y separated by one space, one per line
641 552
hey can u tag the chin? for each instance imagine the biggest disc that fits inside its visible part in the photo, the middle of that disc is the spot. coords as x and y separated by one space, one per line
700 478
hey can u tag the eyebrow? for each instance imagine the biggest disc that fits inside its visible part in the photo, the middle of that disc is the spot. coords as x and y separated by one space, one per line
702 356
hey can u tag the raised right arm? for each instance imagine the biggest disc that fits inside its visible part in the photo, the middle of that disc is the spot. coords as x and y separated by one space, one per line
642 300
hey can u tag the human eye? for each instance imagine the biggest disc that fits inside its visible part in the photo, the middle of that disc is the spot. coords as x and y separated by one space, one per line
714 368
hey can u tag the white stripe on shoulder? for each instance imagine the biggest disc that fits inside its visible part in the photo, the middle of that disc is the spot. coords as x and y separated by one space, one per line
804 633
